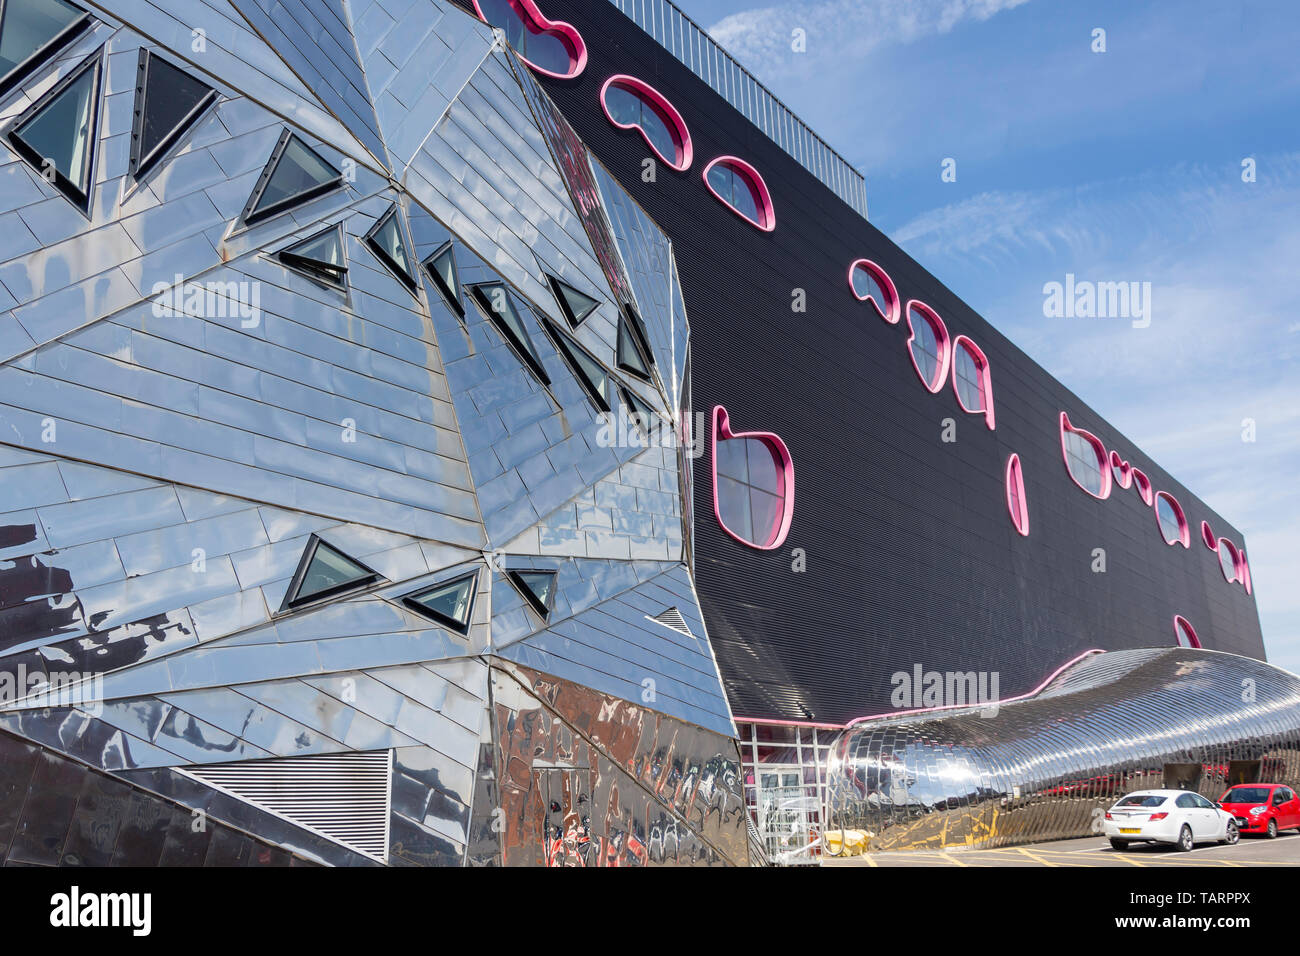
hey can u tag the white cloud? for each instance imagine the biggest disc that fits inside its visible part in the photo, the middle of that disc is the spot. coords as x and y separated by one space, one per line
761 37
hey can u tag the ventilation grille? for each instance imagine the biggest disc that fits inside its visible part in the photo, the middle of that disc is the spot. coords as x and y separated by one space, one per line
672 618
343 797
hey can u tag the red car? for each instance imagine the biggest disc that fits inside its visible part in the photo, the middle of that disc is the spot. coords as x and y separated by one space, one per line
1262 808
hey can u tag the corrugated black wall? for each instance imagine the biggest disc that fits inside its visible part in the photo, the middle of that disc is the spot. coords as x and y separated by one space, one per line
911 555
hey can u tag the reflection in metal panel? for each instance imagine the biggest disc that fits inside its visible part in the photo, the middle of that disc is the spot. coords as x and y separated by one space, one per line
1048 767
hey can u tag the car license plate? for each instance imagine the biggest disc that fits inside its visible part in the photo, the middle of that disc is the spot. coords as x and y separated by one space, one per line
1130 829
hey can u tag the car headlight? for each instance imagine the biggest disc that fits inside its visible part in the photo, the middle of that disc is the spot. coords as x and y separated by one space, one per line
1256 811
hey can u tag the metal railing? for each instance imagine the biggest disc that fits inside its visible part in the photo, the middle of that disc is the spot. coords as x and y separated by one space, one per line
685 39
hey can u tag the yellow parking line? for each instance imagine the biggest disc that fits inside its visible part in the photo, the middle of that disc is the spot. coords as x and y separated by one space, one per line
1036 859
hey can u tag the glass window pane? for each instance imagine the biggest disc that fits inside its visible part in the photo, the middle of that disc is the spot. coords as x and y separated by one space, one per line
1226 561
28 26
766 511
764 468
1167 518
60 132
1081 458
389 240
170 95
298 171
743 198
733 508
720 179
732 459
451 600
328 569
623 106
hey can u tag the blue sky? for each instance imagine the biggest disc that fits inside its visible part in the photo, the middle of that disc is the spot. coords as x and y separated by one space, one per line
1117 166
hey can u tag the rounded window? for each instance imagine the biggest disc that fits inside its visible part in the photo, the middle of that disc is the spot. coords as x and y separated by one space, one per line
1143 485
1016 503
753 484
739 186
1120 470
1085 459
971 379
633 104
1184 633
1207 536
928 345
548 46
871 283
1173 524
1228 560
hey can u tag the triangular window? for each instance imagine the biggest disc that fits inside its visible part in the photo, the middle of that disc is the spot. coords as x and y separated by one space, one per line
633 347
643 416
294 174
575 305
58 134
325 571
31 31
168 101
450 603
496 303
386 242
319 257
537 587
441 267
630 357
591 375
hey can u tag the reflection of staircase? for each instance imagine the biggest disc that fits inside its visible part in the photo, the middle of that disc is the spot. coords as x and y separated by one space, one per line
757 849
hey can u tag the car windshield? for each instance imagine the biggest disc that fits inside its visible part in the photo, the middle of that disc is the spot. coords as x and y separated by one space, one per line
1247 795
1142 800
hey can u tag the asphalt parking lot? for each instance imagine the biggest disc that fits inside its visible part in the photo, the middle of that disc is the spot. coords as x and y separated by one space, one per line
1091 852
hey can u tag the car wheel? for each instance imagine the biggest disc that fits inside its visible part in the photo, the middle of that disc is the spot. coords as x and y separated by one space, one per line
1231 834
1120 845
1272 829
1185 839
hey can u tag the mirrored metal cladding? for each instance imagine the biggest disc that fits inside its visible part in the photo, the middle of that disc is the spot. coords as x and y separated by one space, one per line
1049 767
270 488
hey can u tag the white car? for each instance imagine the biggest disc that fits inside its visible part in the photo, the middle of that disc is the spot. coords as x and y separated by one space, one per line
1179 817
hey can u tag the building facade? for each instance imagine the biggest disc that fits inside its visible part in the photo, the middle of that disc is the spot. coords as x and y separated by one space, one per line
402 405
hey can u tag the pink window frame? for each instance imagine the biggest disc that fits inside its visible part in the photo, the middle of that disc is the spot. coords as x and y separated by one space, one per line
577 46
1143 485
1235 552
986 378
942 340
1125 477
1016 492
667 112
1189 630
894 313
1245 572
721 431
1208 538
1184 531
762 198
1103 457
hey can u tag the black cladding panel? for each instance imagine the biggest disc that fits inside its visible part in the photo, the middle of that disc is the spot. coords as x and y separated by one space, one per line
911 554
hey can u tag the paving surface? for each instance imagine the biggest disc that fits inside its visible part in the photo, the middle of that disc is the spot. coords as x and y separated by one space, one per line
1094 851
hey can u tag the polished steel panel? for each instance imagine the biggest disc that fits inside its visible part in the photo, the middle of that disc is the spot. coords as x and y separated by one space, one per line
1048 767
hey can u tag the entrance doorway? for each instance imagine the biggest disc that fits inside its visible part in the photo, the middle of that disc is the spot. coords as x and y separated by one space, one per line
788 813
